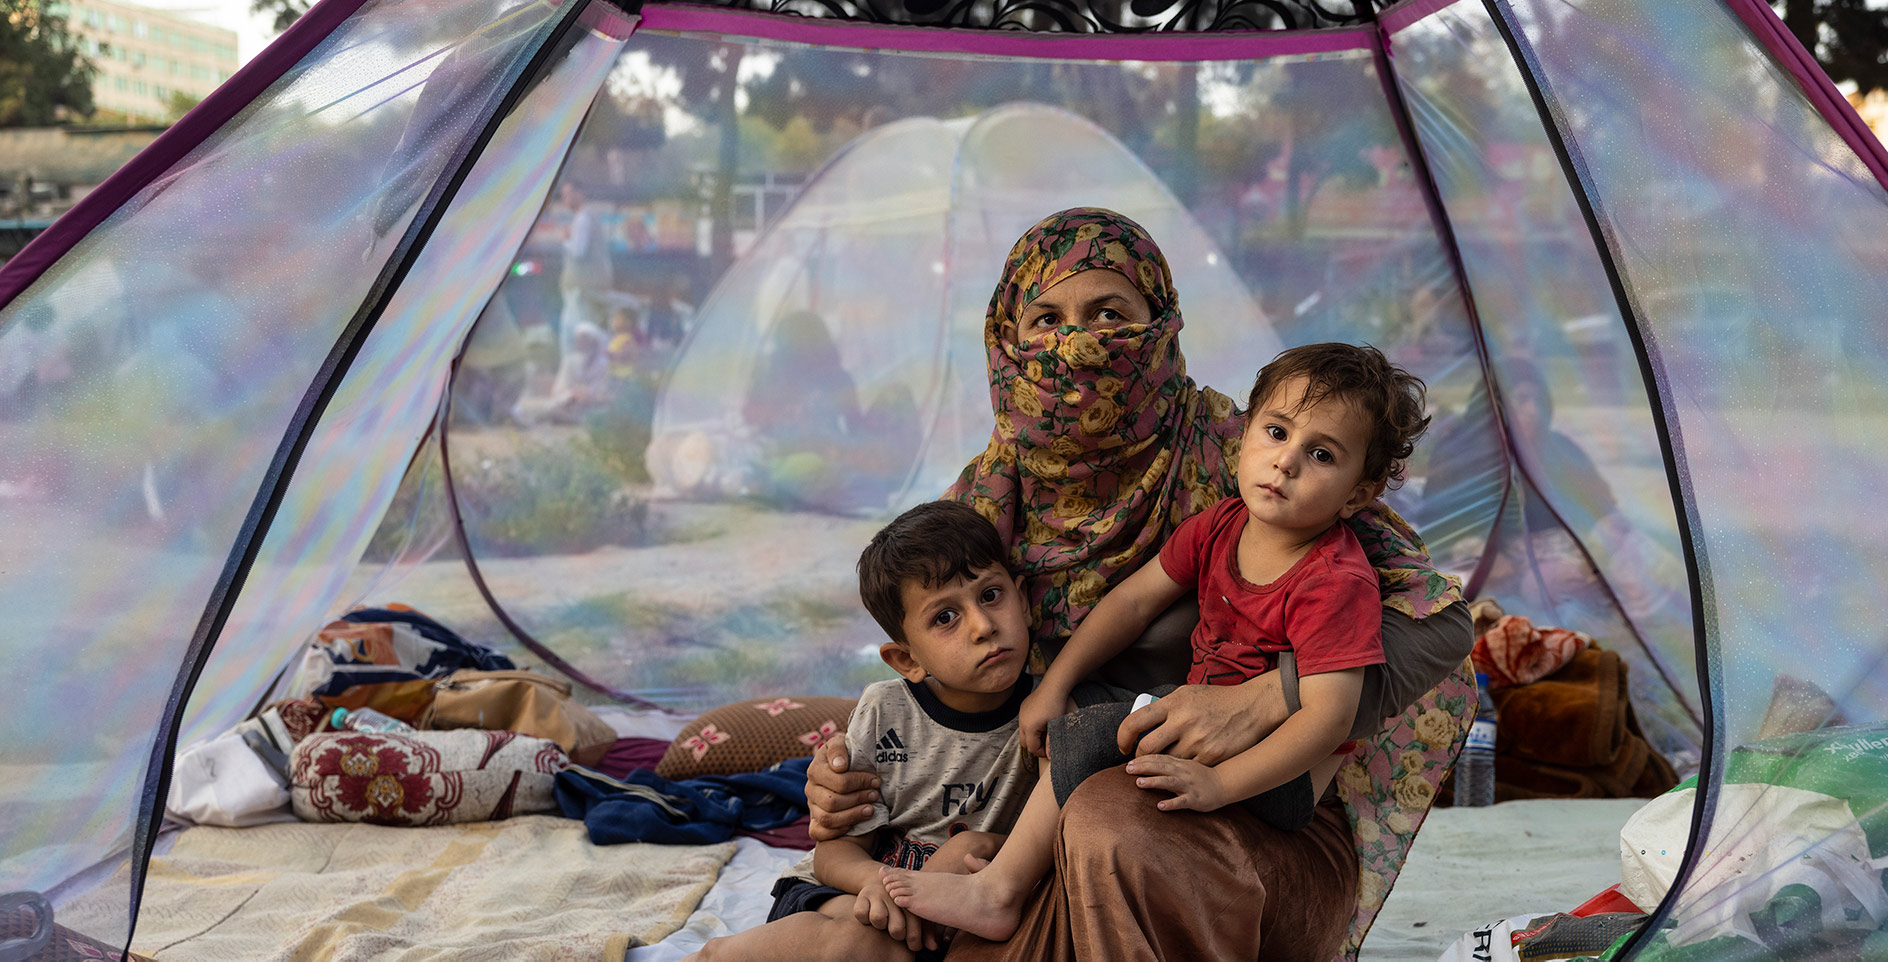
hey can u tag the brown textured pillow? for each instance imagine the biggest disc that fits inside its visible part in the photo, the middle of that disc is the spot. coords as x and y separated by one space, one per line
748 736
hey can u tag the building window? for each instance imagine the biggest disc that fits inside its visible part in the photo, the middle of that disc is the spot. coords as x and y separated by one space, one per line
137 58
139 29
140 88
120 83
161 93
116 24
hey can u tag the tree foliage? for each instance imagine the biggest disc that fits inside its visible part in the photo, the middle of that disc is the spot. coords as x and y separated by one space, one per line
285 12
1848 37
43 77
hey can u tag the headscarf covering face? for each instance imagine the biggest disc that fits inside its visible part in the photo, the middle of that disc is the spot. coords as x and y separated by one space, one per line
1103 445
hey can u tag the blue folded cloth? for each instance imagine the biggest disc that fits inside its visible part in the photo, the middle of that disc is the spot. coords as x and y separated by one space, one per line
645 807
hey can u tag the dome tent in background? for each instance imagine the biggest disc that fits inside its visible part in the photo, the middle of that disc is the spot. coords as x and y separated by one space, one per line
912 220
1633 247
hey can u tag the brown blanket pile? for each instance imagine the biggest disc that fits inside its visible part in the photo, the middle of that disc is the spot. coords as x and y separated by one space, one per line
1572 734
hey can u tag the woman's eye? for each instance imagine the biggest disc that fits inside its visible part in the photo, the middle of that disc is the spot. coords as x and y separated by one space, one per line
945 618
1275 432
1322 456
1043 320
1110 314
991 594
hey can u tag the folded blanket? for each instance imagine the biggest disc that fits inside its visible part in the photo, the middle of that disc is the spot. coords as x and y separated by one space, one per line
1573 734
645 807
1575 717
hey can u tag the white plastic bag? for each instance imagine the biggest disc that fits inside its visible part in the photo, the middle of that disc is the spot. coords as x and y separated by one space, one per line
225 781
1763 838
1493 942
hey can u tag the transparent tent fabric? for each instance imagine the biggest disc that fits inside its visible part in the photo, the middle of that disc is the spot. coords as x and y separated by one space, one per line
1748 234
357 458
1591 491
635 500
168 352
729 571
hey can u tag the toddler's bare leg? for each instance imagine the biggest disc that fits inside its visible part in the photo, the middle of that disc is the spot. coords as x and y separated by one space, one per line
989 903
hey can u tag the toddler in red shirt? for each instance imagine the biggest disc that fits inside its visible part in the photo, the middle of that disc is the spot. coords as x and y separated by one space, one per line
1327 429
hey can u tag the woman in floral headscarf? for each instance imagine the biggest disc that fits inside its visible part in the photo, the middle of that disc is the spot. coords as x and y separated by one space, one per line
1102 446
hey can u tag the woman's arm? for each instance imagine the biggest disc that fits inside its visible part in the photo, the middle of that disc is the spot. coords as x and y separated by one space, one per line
1305 739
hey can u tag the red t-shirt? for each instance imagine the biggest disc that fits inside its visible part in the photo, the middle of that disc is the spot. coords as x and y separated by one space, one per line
1326 609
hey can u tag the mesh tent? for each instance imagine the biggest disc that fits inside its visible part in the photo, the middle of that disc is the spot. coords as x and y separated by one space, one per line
306 345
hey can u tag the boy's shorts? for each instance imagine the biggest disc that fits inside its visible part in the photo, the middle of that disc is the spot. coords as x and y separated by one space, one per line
792 895
1082 743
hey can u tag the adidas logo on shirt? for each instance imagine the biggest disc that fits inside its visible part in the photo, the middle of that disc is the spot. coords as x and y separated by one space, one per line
891 748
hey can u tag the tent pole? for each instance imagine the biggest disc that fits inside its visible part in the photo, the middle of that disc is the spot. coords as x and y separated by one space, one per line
1432 197
295 440
1445 232
518 631
1677 472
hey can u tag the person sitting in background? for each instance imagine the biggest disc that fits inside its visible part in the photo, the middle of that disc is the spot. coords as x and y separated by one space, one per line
582 384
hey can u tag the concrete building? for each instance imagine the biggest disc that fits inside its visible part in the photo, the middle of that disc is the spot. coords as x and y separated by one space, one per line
145 56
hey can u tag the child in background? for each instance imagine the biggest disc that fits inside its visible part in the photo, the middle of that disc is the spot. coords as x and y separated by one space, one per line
624 341
1327 428
944 741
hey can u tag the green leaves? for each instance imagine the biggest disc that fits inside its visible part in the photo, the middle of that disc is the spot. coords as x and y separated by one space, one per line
44 80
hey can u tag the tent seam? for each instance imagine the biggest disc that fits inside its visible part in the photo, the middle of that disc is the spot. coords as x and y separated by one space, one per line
295 439
1677 475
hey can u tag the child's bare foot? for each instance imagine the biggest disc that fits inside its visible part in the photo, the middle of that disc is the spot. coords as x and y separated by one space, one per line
984 904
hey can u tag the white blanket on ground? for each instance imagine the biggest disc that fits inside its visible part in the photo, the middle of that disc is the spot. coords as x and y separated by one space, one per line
526 888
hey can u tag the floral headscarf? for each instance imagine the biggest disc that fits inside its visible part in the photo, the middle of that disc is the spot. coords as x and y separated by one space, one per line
1103 444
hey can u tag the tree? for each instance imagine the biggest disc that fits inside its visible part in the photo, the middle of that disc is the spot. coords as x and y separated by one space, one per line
286 11
43 77
1848 37
180 103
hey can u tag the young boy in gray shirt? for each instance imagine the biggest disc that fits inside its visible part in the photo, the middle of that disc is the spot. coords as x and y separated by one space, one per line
944 741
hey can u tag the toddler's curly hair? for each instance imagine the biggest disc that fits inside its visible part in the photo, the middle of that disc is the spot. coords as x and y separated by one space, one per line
1392 398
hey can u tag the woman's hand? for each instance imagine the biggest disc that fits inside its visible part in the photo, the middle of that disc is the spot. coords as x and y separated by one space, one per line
836 798
1205 723
1194 786
1041 707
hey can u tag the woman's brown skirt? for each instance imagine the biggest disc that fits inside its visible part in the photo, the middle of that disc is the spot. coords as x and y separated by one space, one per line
1133 882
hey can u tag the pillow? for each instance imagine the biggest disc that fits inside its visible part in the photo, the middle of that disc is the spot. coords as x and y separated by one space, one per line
748 736
423 778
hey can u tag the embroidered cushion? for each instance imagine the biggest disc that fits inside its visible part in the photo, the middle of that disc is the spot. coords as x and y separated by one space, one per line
423 778
748 736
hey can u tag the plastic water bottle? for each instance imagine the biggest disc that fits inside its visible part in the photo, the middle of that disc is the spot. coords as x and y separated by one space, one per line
1475 770
368 720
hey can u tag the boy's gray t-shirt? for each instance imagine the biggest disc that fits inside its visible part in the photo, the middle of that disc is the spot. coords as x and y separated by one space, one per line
941 771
